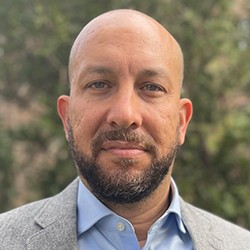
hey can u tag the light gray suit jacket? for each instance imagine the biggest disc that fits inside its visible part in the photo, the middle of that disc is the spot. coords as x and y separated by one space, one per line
51 224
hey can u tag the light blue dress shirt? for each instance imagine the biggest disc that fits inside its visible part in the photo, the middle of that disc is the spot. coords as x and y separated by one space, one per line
100 228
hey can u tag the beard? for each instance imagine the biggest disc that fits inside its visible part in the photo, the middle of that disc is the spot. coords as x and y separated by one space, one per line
121 186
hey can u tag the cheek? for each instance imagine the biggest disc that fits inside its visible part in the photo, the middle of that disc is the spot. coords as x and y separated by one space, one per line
167 120
164 129
168 128
85 123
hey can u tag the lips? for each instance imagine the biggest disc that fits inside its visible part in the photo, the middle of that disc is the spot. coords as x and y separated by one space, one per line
123 149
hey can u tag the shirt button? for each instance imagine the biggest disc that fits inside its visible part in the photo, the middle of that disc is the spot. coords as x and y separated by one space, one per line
120 226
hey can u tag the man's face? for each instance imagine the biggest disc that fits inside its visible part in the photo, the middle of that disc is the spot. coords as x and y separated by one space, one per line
124 119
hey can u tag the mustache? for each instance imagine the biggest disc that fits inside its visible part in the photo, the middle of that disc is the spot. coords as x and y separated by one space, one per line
126 135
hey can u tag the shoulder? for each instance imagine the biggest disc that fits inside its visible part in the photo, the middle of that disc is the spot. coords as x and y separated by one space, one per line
17 225
21 214
203 223
212 218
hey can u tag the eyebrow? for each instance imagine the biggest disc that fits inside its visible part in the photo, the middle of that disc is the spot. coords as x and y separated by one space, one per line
151 72
95 69
158 72
103 70
99 70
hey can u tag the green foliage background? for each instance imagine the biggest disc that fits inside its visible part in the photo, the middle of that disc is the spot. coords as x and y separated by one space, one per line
213 167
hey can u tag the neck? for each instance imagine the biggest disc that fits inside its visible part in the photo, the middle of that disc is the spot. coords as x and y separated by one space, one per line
142 215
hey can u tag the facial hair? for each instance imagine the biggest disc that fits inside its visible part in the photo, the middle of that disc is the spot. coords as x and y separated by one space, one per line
121 186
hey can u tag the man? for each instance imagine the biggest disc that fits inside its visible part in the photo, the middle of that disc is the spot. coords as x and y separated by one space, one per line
124 121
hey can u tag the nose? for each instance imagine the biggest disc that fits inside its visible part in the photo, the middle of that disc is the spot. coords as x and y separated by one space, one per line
124 110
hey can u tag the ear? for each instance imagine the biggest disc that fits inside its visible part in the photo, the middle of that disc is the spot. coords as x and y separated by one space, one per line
63 112
185 114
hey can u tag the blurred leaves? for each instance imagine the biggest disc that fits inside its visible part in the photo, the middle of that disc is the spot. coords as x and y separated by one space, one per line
213 167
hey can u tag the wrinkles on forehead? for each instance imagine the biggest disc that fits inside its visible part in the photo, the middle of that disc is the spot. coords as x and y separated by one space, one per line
124 23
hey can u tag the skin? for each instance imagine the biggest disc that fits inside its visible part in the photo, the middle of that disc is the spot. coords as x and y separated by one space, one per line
126 71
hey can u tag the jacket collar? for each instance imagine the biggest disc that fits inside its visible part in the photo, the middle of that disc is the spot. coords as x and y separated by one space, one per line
200 228
57 222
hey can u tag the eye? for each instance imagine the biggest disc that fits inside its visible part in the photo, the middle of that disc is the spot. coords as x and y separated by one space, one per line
98 85
153 88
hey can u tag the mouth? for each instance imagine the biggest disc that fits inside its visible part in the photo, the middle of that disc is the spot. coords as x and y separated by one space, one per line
123 148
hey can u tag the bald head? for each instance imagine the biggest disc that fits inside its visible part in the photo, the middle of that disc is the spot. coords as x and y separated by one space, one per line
130 26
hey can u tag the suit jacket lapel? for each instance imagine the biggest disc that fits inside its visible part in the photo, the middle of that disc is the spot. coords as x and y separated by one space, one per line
200 228
57 222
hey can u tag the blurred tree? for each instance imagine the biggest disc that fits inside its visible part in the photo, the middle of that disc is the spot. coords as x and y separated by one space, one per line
217 79
6 171
212 169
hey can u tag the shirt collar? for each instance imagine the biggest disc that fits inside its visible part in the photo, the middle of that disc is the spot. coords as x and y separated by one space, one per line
175 207
91 210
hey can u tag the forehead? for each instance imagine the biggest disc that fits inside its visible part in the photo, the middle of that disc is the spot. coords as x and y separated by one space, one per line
116 40
126 21
118 31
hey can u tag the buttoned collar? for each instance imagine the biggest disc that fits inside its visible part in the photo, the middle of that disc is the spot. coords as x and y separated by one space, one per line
91 210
